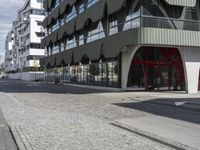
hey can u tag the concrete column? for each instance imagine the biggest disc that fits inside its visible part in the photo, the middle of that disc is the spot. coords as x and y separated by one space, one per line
191 62
127 56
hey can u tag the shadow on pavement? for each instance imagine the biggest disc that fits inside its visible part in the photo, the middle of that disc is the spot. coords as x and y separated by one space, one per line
185 109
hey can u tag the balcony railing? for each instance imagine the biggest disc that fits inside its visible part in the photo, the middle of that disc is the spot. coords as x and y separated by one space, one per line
136 20
169 23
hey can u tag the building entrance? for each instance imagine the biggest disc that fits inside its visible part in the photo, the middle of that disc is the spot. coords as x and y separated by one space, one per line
158 77
156 69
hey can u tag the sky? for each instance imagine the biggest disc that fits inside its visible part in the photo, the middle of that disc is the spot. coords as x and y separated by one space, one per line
8 13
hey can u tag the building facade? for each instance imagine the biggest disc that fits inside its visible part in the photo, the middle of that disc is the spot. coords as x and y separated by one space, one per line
8 63
23 49
128 44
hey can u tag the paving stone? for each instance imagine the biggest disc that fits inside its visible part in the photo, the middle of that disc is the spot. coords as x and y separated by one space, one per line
48 117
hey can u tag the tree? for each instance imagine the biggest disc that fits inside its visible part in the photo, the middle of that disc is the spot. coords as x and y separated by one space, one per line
1 69
35 65
94 70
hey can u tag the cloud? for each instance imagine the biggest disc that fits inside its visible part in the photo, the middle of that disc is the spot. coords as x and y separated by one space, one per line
8 13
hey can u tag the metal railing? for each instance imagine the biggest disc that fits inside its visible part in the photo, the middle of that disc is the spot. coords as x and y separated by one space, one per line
136 20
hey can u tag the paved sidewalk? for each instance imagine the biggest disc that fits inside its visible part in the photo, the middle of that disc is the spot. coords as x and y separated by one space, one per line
6 139
178 133
49 117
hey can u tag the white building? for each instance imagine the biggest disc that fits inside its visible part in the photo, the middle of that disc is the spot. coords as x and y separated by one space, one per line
23 41
8 62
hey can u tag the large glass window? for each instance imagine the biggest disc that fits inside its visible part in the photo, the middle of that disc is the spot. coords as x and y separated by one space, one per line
72 15
99 74
96 34
157 69
132 21
113 27
55 49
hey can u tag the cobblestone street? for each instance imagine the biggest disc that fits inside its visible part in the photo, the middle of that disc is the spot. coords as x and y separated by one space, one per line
49 117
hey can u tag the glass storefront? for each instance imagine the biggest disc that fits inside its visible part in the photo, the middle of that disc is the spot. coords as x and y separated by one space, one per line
97 74
157 69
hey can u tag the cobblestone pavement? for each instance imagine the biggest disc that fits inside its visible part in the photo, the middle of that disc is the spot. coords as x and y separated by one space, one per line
48 117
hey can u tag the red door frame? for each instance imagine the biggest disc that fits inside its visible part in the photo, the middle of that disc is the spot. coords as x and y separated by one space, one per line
169 62
154 64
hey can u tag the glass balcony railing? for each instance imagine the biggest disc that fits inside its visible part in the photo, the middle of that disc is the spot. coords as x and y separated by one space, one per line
169 23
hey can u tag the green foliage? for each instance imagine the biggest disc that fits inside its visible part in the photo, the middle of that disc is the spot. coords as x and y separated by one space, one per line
94 70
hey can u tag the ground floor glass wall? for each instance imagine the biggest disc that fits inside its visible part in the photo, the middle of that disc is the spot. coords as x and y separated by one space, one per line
157 69
98 74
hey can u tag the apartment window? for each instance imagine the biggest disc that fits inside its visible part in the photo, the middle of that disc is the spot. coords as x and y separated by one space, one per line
37 12
132 21
55 49
71 43
91 2
34 45
81 8
62 21
55 25
32 57
39 23
40 1
113 27
81 39
62 47
71 15
40 34
55 4
96 34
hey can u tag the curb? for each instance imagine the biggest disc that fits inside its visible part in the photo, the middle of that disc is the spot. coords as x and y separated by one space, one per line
110 89
16 136
16 131
153 137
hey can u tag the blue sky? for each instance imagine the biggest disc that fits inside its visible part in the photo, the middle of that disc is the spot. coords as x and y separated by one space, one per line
8 13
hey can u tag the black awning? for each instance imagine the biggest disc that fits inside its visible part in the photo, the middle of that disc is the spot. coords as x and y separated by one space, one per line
66 4
45 5
65 56
113 45
53 16
50 3
95 13
115 5
66 29
43 43
45 22
91 50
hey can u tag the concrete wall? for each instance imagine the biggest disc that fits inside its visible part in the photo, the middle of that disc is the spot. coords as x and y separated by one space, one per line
127 56
34 27
191 62
27 76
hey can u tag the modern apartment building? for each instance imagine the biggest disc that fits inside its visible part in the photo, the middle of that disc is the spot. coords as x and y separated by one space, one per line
8 62
128 44
24 49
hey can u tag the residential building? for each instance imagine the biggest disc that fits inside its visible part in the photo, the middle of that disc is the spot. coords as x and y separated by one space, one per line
127 44
24 50
8 62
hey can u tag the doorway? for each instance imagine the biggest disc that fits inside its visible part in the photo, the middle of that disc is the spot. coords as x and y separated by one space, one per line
156 69
158 77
